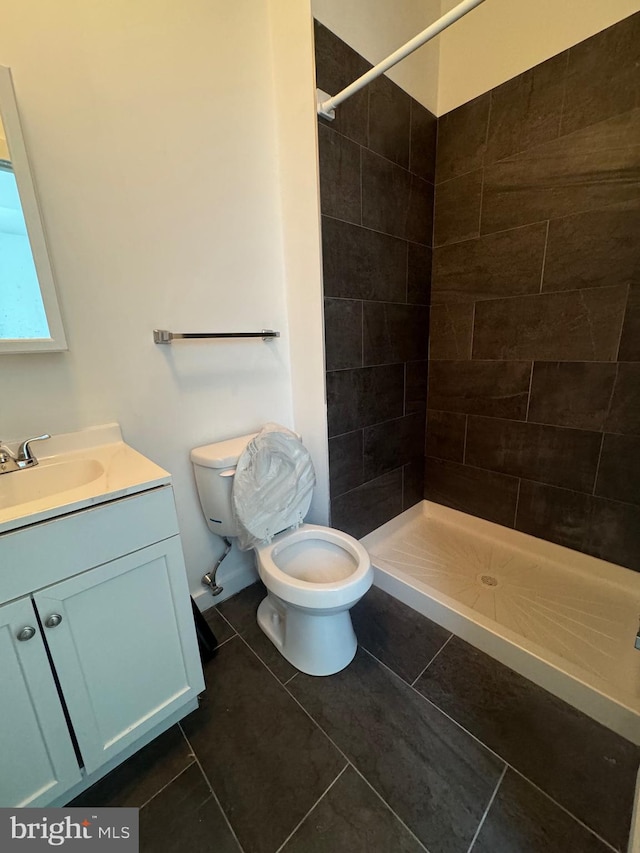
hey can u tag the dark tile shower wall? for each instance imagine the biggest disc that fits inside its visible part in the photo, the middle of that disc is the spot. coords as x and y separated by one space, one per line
534 374
377 162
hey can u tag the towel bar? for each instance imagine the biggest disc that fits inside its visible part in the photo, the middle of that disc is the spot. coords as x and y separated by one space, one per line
162 336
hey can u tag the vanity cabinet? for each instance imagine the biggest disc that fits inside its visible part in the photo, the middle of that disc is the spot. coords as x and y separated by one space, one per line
37 758
113 655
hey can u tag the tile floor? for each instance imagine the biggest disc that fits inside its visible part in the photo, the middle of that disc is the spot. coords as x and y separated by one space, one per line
422 743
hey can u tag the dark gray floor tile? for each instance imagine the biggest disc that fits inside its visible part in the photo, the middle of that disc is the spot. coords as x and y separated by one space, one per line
413 483
358 263
495 388
630 340
389 120
398 636
462 135
435 777
571 394
424 128
624 415
599 248
558 515
241 610
339 175
337 66
393 333
393 443
220 627
525 111
504 264
577 325
342 333
345 462
415 386
185 816
445 435
615 533
457 209
395 201
554 455
350 817
450 331
522 820
361 397
603 75
592 168
140 777
265 759
619 471
361 510
584 766
419 274
486 494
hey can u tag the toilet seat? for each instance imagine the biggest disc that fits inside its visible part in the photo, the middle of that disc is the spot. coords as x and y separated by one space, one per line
272 485
316 594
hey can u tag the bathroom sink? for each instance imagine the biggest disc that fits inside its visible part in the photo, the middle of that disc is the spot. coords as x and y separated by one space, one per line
47 479
81 469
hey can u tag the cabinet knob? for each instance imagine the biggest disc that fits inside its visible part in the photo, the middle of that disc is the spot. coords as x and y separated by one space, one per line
27 633
53 621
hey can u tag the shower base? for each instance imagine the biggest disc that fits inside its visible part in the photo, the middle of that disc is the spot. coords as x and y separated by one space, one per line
563 619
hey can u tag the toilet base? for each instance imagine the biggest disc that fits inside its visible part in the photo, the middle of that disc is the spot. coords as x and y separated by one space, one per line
317 642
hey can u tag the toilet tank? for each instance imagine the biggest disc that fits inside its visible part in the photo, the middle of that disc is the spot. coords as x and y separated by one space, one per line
214 466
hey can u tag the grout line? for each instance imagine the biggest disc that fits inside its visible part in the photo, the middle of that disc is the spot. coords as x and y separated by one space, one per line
489 749
220 613
213 793
515 514
388 234
386 804
420 674
562 808
624 317
284 683
171 781
434 705
486 811
299 824
224 642
473 331
349 763
299 704
595 479
526 414
544 256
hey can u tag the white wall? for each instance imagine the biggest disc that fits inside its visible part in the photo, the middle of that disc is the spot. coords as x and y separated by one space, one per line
375 28
298 179
154 145
502 38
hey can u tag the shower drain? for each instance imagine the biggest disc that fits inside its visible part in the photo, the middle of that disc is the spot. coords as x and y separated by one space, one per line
488 580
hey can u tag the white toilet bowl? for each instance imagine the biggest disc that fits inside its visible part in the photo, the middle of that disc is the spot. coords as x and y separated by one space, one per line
313 575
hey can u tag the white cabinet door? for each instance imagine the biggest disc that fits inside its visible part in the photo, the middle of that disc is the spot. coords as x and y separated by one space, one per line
37 759
124 648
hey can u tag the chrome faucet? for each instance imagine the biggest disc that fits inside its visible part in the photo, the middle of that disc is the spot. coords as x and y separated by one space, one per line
24 458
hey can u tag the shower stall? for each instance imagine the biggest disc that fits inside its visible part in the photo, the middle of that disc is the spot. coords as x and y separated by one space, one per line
482 330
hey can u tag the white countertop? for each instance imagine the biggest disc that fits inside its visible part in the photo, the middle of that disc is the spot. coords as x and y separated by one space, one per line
113 470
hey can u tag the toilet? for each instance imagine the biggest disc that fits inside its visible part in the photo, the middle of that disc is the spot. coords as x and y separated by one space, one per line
258 488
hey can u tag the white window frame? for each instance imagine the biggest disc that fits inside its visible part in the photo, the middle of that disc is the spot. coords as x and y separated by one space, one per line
57 341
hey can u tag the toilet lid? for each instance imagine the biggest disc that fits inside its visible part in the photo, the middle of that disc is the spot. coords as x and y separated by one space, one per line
272 486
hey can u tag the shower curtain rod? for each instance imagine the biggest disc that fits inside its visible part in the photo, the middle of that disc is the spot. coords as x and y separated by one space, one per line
327 104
